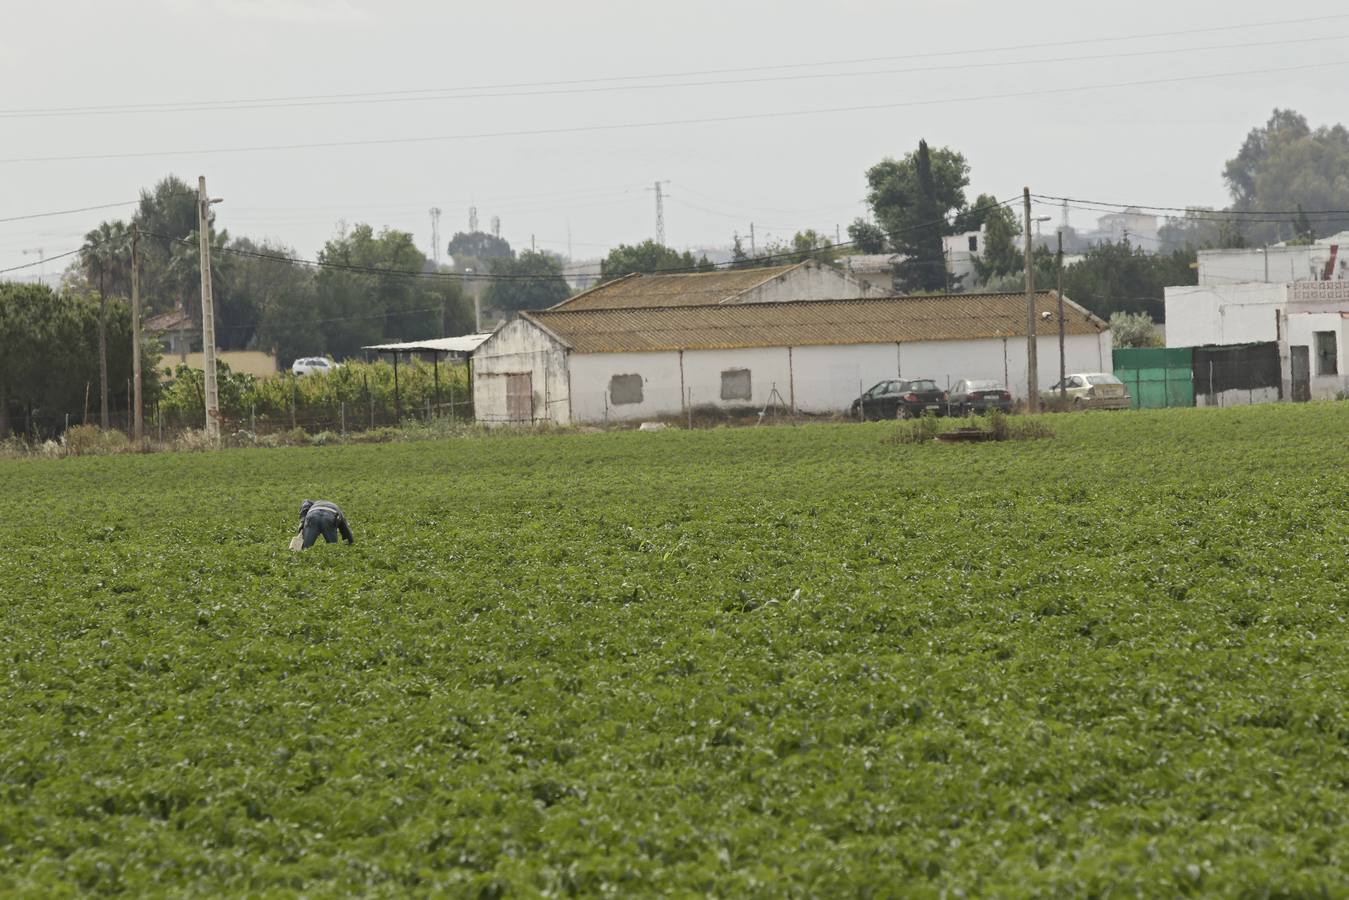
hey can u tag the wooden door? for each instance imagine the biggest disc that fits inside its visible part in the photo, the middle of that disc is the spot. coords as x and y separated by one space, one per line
520 397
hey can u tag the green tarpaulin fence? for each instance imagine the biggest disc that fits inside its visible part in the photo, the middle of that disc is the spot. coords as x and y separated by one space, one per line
1157 377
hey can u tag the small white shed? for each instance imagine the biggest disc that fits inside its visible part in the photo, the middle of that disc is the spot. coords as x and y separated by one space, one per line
593 365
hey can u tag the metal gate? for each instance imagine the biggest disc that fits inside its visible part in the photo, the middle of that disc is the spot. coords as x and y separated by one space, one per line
1302 373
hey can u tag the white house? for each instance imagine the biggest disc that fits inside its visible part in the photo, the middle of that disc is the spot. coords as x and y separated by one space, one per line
591 365
1324 260
1308 319
808 280
1134 225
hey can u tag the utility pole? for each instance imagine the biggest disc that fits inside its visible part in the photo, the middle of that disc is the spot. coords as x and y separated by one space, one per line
472 219
207 314
138 413
1032 375
1063 363
435 236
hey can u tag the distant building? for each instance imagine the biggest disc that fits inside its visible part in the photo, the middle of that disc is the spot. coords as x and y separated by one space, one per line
177 331
1137 227
595 363
1324 260
1309 320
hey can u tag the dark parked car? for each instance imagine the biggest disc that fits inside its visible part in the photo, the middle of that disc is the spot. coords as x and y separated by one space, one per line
978 396
902 399
880 401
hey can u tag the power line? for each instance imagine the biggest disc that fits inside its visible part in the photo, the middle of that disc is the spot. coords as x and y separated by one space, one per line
393 94
448 94
742 117
46 259
1196 211
464 276
66 212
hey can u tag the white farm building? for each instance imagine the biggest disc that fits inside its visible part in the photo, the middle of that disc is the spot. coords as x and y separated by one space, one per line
582 362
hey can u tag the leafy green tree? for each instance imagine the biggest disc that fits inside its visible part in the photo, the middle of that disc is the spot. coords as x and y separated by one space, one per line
1001 254
810 244
167 213
900 203
922 267
1286 164
479 245
866 237
530 281
384 299
1134 330
1109 278
50 354
647 256
739 258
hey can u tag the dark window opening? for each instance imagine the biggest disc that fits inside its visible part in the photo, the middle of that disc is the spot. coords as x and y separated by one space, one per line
1326 362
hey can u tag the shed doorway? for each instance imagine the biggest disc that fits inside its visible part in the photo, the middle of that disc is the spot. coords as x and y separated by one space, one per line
520 396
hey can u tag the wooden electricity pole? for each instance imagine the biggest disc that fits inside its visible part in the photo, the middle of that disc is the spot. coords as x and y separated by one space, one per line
1032 375
212 395
1063 363
138 416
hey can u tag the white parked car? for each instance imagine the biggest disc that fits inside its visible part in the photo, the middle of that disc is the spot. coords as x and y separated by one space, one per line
306 365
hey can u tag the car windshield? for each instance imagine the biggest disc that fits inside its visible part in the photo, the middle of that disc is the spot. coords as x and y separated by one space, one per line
1103 379
922 385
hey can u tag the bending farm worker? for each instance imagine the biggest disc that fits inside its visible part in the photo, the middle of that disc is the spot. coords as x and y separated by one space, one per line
322 517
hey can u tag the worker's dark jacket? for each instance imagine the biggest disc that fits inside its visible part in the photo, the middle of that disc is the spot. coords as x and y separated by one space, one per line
326 518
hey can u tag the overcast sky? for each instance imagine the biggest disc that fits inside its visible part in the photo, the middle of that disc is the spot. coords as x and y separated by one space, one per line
557 116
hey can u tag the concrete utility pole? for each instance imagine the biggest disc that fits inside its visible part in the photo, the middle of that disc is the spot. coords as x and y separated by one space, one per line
1032 373
207 314
435 236
138 413
1063 364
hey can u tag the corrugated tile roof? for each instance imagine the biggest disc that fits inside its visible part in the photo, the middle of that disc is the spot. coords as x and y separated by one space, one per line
675 289
820 322
173 320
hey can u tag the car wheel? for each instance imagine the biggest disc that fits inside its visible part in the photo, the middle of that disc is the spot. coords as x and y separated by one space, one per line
904 413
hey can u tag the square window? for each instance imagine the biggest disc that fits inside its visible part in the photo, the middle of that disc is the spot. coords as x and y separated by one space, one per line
1326 362
625 389
735 384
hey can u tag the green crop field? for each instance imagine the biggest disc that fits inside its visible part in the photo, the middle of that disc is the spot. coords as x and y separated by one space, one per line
778 661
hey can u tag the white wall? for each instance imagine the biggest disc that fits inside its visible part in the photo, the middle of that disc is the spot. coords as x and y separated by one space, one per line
812 281
1223 314
1301 328
519 346
817 379
1276 265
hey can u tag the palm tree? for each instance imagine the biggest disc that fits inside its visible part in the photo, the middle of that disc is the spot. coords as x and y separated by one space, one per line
105 260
